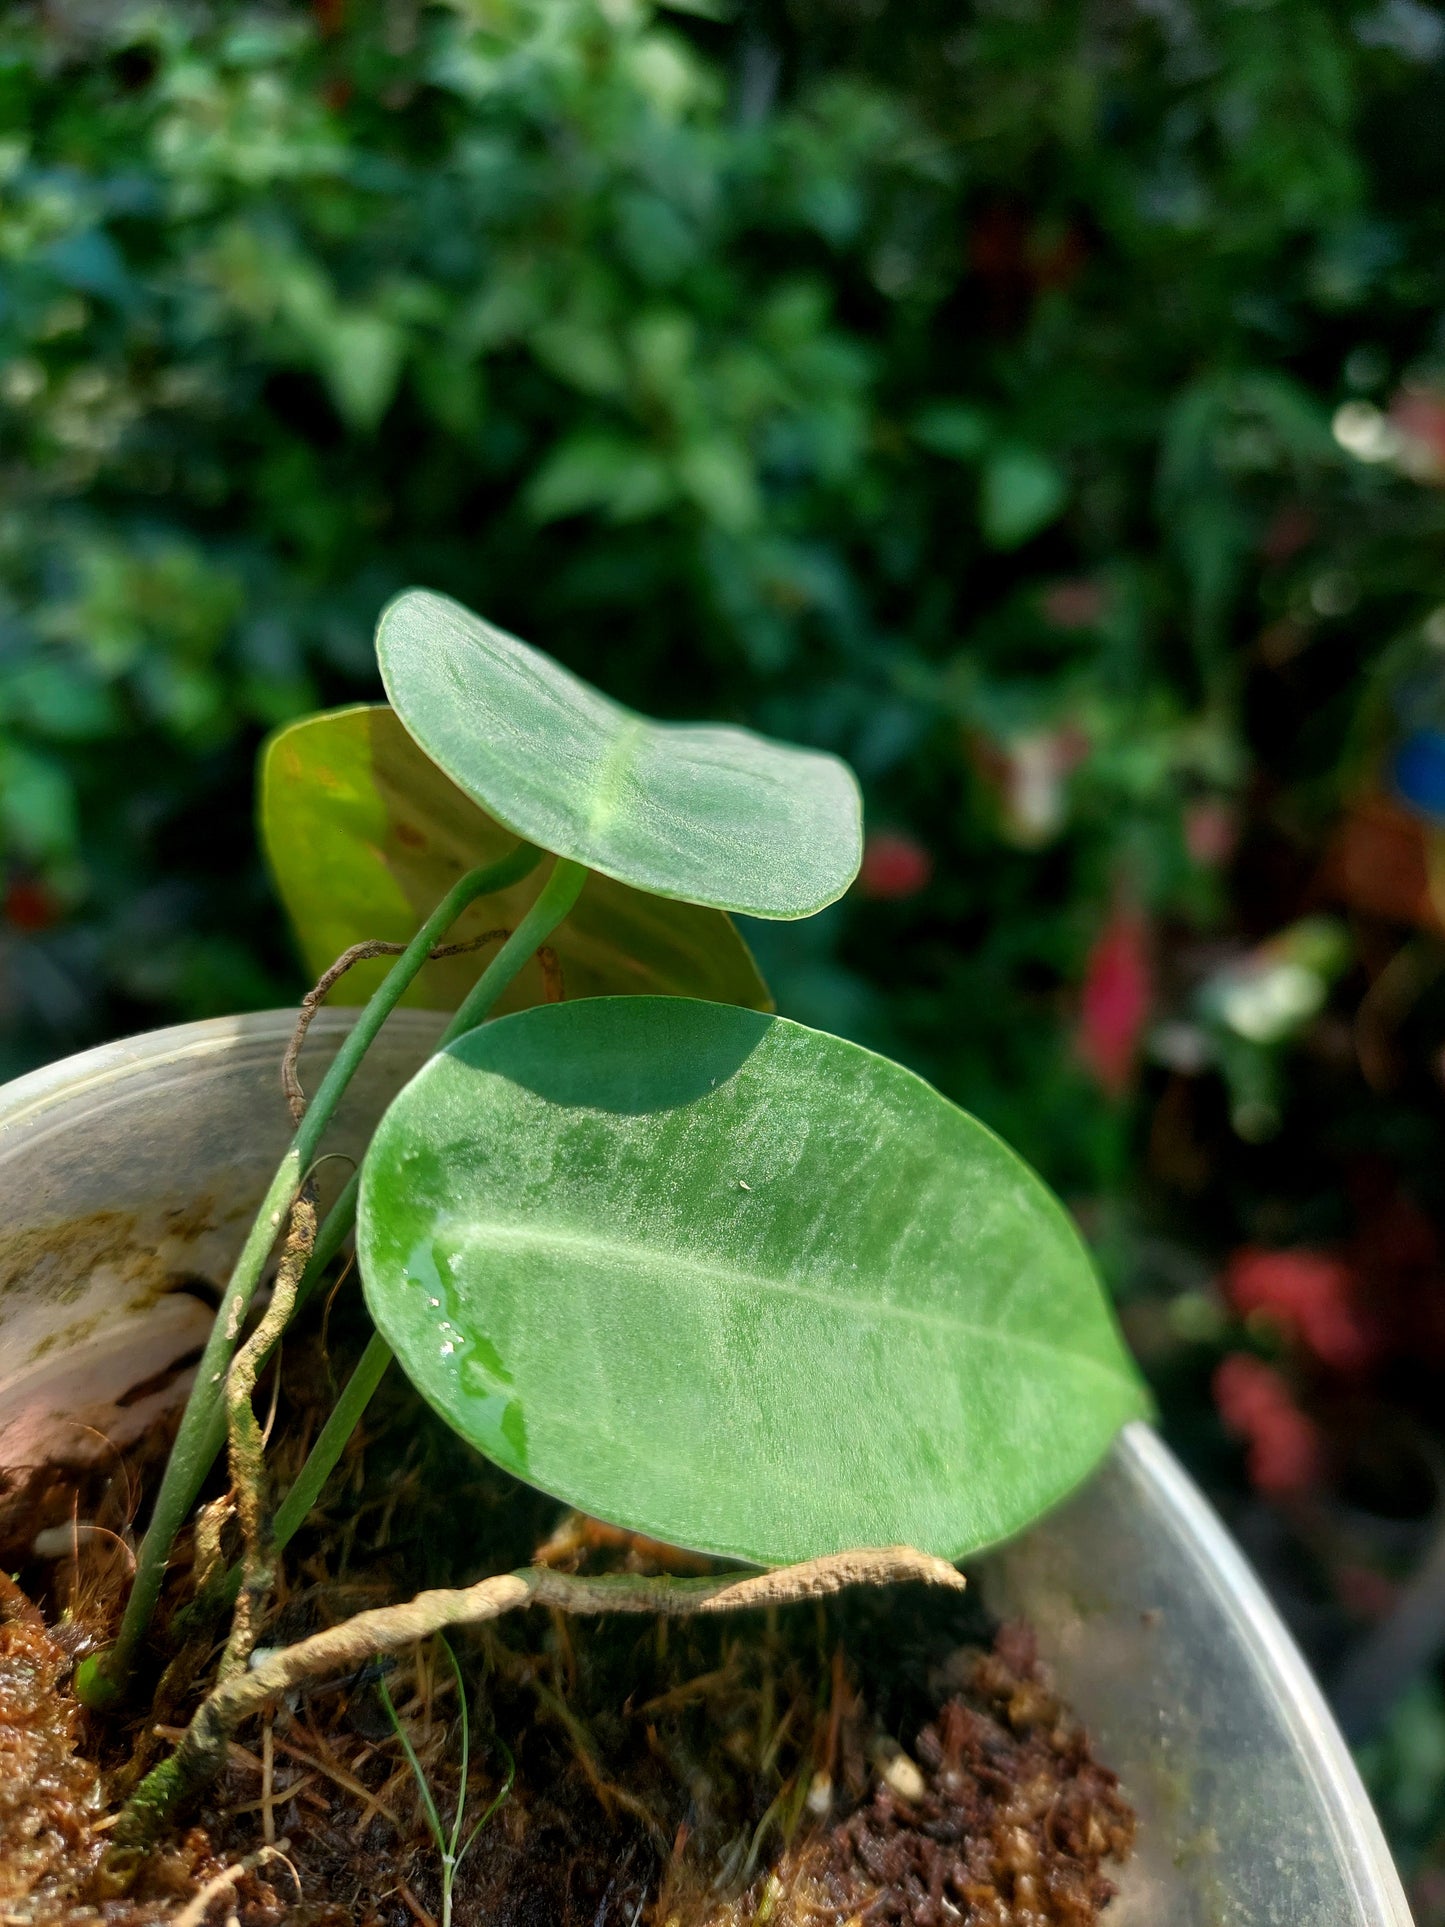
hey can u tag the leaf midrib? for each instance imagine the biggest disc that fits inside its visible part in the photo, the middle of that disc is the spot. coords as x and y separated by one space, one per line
519 1235
610 781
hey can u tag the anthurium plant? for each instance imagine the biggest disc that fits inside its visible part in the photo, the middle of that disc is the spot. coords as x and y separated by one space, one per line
697 1270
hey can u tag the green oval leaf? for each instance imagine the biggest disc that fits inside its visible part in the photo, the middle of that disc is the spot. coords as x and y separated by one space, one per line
365 836
736 1284
703 812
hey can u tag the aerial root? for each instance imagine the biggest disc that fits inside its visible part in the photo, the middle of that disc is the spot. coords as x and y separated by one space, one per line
317 995
202 1753
248 1463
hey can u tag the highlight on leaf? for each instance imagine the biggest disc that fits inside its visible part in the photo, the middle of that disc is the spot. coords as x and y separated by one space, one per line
703 812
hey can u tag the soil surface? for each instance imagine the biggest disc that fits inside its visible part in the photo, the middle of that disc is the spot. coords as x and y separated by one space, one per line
886 1757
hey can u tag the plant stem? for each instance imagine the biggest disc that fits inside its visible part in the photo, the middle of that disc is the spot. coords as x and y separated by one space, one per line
335 1228
322 1459
556 899
331 1441
418 1772
102 1679
466 1718
452 1851
558 894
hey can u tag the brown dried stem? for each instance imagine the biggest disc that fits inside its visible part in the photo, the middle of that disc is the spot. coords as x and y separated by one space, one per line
385 1629
327 982
554 990
248 1446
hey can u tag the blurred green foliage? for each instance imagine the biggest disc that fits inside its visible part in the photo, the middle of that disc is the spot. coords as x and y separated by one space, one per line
1040 402
916 383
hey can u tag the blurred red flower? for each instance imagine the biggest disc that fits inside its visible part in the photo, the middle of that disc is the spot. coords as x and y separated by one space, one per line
1029 775
29 905
1291 529
1311 1296
1285 1454
1211 830
1115 1000
1075 603
894 866
1418 413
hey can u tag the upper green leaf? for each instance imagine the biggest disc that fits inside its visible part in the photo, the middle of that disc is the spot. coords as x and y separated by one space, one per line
699 811
736 1284
365 836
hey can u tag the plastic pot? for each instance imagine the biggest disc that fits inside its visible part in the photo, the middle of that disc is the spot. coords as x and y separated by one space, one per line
130 1172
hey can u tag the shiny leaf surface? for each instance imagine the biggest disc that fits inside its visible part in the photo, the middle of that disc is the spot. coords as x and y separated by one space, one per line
736 1284
698 811
365 836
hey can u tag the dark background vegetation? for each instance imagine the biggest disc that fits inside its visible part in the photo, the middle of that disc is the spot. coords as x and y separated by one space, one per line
1042 404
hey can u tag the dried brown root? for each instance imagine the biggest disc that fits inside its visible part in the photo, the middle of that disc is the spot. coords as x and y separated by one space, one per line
554 990
578 1534
327 982
228 1879
385 1629
248 1448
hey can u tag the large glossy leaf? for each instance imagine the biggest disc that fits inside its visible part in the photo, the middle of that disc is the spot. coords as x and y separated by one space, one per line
365 836
703 812
736 1284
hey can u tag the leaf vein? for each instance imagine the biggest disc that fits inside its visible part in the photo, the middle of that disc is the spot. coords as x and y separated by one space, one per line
672 1263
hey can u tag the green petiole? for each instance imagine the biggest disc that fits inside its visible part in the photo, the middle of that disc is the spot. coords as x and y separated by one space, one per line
342 1421
557 897
101 1679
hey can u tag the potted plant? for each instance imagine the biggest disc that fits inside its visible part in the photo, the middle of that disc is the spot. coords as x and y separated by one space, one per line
722 1283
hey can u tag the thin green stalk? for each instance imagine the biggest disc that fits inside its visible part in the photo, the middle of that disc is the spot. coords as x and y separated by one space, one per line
554 901
557 896
102 1678
434 1819
466 1718
452 1850
495 1803
331 1440
461 1848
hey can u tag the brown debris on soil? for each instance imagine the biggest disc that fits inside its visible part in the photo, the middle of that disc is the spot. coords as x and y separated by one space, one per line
696 1806
998 1817
1014 1820
52 1804
49 1795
